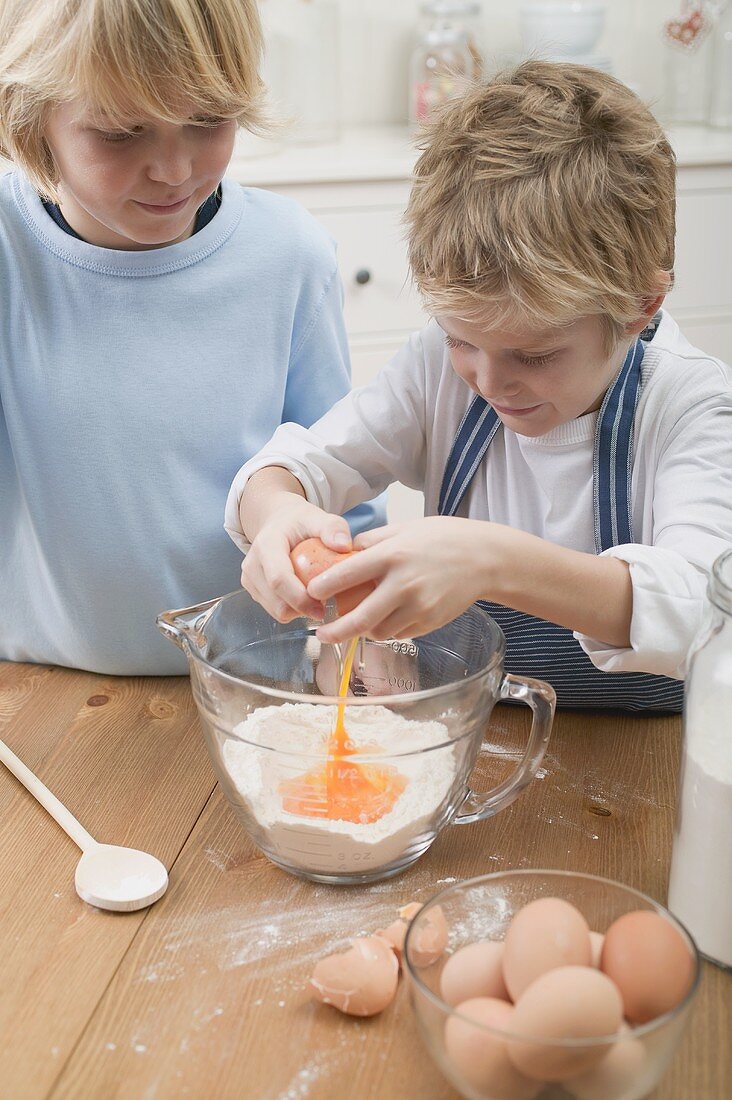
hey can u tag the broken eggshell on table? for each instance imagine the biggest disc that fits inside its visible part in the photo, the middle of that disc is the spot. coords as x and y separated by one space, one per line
362 981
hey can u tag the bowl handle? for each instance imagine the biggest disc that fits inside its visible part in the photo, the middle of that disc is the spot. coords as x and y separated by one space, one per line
185 623
542 700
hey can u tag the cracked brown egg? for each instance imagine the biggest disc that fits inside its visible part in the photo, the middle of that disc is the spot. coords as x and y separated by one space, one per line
360 981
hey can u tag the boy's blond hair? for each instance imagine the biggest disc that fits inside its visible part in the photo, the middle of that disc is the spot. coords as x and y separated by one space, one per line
541 197
125 58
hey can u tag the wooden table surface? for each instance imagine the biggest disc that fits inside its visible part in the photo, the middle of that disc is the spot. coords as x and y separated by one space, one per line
204 995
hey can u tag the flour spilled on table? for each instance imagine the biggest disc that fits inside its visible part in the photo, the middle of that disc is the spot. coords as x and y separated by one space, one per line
278 743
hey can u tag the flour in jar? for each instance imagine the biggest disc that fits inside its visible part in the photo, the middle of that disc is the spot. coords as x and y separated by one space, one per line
700 888
279 743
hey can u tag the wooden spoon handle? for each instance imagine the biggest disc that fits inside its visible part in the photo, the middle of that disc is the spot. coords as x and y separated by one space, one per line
56 809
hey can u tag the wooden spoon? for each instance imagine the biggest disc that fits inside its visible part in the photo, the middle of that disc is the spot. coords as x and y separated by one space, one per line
107 875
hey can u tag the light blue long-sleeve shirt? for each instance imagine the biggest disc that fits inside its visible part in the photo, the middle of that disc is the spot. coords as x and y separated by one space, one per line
133 384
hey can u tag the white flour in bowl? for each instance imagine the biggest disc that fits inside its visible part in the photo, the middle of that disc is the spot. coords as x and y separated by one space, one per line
324 846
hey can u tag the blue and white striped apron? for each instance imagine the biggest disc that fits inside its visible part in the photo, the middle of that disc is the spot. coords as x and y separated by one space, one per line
542 649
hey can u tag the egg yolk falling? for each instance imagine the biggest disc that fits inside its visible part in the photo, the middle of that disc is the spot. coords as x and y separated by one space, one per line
342 789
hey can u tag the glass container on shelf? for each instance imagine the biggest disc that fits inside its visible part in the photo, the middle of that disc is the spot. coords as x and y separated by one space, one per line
700 889
301 67
447 56
688 63
468 14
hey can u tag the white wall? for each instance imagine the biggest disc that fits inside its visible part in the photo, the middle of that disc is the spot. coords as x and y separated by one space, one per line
377 36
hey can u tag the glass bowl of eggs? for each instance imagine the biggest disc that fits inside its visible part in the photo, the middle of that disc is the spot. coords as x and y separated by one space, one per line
550 985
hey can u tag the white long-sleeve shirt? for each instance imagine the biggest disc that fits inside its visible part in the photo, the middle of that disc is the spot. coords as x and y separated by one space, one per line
402 426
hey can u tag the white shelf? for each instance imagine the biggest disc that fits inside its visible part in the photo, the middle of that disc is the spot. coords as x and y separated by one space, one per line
387 153
362 154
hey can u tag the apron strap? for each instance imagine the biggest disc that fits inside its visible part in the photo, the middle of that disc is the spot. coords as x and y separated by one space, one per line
474 436
613 454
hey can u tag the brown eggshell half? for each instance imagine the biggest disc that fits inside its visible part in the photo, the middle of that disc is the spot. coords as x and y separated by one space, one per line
361 981
429 938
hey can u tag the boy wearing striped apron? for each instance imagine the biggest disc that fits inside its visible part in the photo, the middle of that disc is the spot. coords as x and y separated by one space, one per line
575 451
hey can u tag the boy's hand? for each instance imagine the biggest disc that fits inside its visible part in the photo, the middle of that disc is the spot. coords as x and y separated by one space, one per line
427 572
267 572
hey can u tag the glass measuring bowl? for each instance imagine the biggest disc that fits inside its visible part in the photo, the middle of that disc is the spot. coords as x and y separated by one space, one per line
267 696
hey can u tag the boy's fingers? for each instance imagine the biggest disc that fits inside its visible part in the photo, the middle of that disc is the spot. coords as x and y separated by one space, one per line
288 590
336 534
279 591
366 566
368 616
373 538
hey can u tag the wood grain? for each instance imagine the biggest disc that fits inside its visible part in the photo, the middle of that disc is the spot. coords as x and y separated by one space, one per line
133 769
205 994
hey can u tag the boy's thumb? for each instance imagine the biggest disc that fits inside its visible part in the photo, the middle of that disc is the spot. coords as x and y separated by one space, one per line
336 535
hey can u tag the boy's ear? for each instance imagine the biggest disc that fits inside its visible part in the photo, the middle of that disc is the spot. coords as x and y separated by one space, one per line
650 305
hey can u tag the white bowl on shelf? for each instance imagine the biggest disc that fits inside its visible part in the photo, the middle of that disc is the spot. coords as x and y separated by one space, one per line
552 27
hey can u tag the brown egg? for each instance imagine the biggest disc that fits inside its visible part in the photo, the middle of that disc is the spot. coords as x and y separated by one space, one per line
544 934
429 938
311 557
361 981
571 1002
482 1059
649 962
618 1075
596 941
474 971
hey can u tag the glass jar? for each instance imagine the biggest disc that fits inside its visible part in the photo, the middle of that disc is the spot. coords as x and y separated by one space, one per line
700 889
720 102
687 65
447 56
465 13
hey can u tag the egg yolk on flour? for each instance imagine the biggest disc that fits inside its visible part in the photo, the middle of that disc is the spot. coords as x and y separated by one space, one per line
343 789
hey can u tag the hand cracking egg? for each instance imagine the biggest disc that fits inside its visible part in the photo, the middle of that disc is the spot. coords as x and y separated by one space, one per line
311 557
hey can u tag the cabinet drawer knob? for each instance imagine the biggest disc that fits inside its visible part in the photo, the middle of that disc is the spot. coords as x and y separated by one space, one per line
363 276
